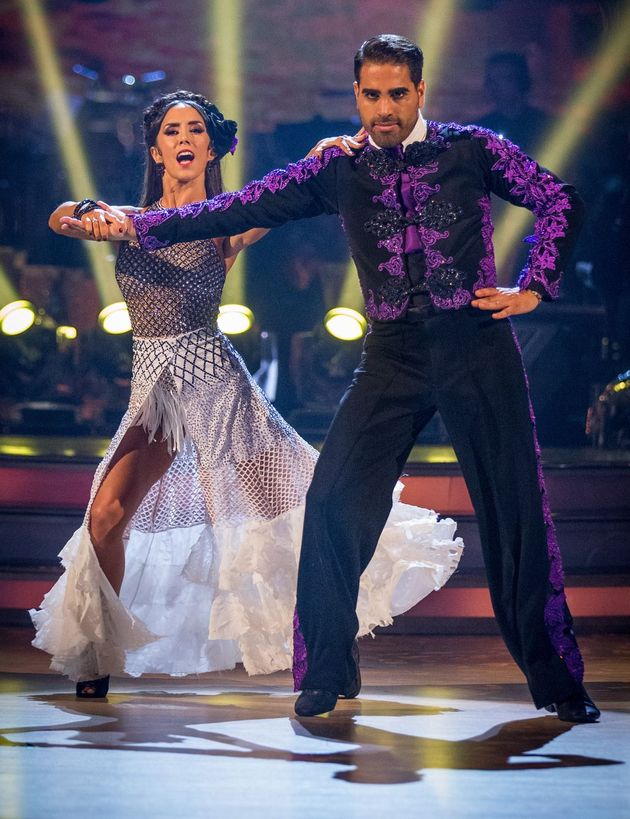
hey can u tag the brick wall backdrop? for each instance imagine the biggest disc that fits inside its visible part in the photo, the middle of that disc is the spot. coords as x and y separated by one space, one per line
298 53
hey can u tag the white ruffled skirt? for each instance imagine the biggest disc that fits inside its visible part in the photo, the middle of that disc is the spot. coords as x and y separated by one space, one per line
211 555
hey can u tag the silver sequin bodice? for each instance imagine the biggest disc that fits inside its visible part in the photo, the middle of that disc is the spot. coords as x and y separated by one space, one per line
173 290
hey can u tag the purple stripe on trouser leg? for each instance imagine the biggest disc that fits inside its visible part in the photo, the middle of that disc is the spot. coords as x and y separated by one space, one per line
300 662
558 627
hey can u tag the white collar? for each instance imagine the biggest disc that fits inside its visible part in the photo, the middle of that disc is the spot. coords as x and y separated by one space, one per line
418 133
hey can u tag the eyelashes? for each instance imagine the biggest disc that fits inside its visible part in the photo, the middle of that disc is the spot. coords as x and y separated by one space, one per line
192 131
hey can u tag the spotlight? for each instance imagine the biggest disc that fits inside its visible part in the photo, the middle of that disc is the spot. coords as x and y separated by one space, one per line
129 79
84 71
234 319
16 317
114 318
66 332
153 76
345 323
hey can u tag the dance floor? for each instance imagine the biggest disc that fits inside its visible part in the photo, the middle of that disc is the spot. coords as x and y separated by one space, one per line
443 728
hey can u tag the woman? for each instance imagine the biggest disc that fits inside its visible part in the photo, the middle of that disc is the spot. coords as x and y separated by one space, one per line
186 560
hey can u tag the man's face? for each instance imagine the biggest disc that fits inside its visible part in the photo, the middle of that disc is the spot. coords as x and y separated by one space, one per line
388 102
503 83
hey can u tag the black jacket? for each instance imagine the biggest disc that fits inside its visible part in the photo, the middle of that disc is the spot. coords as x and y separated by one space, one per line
450 176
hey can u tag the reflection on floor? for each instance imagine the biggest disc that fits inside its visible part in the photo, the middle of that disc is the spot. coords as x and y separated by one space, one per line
443 728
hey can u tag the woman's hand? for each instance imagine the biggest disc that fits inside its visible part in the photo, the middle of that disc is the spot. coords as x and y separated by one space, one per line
98 225
507 301
349 145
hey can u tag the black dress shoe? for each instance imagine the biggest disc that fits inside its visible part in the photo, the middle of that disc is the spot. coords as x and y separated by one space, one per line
577 708
93 689
353 688
313 701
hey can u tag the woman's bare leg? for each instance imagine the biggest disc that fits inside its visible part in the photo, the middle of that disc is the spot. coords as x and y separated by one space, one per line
135 467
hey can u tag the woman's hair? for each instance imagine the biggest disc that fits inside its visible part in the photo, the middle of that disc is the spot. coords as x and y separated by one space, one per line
222 133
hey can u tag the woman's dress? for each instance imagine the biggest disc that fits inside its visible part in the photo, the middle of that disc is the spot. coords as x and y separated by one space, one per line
211 554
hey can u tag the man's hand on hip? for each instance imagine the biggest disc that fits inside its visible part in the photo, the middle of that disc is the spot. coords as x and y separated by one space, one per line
506 301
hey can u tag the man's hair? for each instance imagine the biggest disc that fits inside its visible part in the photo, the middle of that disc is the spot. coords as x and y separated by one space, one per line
390 48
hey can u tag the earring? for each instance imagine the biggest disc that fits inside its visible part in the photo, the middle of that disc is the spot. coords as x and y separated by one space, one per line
160 168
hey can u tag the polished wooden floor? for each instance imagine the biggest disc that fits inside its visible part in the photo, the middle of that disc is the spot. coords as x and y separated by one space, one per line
443 728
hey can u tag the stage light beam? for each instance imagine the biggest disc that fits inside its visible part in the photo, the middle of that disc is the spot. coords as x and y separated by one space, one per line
72 151
8 293
566 134
351 295
433 34
226 33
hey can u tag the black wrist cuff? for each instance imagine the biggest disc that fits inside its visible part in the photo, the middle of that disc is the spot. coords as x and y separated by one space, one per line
83 207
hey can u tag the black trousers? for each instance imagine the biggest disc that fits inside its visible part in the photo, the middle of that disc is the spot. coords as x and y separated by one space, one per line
468 366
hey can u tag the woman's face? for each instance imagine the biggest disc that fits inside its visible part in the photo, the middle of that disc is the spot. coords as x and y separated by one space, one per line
183 144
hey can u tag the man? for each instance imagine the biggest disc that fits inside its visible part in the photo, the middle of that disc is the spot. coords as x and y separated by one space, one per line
416 209
508 83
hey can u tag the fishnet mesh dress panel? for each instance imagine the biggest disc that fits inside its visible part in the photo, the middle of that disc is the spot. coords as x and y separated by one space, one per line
172 290
240 460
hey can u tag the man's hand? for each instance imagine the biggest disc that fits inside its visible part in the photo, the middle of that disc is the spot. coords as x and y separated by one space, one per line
507 301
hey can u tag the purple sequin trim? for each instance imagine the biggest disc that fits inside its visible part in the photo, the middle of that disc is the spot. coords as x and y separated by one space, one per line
422 190
144 222
274 181
394 245
427 237
459 299
389 197
383 311
540 192
559 630
300 661
487 269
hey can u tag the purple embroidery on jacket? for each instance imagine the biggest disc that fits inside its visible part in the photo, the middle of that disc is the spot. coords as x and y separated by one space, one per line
487 270
394 267
389 197
300 660
143 222
384 311
274 181
394 245
459 299
540 192
415 195
422 190
557 621
380 168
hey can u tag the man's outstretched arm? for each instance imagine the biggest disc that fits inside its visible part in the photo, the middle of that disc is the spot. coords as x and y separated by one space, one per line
301 190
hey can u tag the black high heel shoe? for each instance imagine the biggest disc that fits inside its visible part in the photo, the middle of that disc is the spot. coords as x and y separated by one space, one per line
93 689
